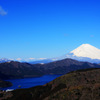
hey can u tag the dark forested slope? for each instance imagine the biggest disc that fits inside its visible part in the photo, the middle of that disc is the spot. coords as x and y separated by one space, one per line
13 69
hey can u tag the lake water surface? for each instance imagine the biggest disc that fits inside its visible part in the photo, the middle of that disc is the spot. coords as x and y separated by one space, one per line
30 82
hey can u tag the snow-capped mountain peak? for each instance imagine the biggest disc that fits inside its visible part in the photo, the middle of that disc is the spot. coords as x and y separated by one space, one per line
86 50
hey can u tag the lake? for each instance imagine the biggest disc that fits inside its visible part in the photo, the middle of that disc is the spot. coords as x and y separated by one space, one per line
30 82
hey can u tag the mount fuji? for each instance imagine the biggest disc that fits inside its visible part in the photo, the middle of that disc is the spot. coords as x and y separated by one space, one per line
85 52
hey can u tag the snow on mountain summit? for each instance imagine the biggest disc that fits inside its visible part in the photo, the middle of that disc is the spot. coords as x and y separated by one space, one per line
87 50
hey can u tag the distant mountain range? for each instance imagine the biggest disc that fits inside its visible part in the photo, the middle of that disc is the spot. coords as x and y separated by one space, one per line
12 70
85 52
2 60
41 61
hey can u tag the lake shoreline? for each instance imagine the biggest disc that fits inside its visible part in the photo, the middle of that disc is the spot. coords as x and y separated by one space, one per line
30 81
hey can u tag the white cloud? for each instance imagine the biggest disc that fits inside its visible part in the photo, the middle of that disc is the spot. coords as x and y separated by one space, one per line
54 59
31 58
11 59
2 11
19 59
42 58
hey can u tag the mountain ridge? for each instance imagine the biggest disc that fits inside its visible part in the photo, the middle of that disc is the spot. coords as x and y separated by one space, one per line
12 70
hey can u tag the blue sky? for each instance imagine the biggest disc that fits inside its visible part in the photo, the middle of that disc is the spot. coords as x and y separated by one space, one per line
47 28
